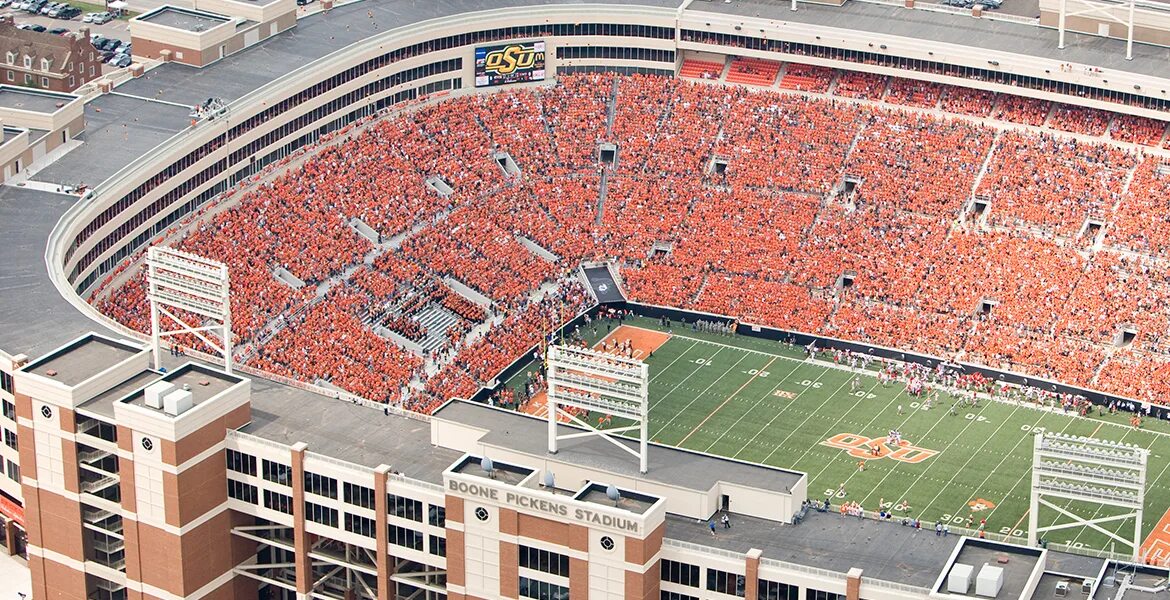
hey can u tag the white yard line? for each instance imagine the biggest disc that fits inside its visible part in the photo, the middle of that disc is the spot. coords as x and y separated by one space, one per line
698 395
684 379
757 403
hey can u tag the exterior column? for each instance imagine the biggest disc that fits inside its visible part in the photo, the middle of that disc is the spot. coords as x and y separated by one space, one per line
10 536
751 578
300 537
382 535
853 584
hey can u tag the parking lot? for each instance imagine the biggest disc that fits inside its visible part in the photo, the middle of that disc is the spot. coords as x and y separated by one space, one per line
114 29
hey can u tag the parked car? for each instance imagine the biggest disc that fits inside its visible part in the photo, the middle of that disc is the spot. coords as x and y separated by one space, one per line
124 61
38 28
46 7
59 31
102 18
3 3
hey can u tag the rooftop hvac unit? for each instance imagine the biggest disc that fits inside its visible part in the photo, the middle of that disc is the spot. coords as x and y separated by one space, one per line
154 393
959 581
177 402
989 581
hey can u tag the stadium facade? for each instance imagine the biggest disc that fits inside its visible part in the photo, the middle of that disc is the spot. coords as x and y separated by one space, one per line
266 485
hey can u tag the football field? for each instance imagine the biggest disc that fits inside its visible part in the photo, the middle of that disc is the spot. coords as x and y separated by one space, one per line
761 401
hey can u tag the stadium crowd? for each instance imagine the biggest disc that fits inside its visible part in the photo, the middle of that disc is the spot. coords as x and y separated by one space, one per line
809 214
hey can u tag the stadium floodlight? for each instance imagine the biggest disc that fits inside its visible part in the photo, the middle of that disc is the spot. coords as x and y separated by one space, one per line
1097 472
597 381
185 282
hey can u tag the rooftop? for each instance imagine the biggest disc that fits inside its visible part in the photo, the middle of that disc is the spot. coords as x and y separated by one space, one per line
183 18
203 382
529 435
81 359
18 98
1132 582
959 29
884 550
28 299
595 493
1018 564
102 405
346 431
500 471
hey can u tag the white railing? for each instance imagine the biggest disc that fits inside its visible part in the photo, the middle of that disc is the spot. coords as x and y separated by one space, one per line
426 485
254 439
893 585
817 571
698 548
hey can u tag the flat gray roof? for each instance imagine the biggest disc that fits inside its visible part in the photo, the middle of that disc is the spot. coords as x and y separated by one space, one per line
349 432
33 100
81 359
102 405
956 29
34 318
182 18
203 382
669 465
1017 569
884 550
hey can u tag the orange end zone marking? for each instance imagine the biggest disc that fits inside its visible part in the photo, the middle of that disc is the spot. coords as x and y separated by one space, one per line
644 341
1156 548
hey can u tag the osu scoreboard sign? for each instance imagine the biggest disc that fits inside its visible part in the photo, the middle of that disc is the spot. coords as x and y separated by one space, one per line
509 63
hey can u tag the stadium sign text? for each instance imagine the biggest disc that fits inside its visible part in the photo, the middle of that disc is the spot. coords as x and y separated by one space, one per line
532 503
859 446
510 59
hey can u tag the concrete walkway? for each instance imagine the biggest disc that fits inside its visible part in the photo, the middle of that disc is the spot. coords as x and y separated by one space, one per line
14 578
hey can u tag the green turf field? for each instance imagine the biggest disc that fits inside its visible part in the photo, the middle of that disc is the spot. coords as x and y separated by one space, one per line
759 401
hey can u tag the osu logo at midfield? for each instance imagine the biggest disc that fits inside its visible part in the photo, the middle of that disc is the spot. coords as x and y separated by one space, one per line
510 59
859 446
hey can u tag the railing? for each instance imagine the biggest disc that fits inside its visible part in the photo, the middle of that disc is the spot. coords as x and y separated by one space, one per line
957 10
817 571
426 485
893 585
688 546
253 439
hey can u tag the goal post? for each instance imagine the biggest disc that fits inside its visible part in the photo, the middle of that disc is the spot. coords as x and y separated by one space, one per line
598 381
1093 472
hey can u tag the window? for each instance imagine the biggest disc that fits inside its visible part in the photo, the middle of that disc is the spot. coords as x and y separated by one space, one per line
438 545
277 473
321 514
45 64
358 495
680 573
9 409
44 82
11 76
240 462
542 590
13 471
28 62
70 81
406 508
321 485
437 516
28 79
360 525
10 438
242 491
408 538
725 583
6 384
771 590
11 56
665 595
820 595
278 502
544 560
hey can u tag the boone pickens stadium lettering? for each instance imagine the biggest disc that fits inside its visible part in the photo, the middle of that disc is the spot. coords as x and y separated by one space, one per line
532 503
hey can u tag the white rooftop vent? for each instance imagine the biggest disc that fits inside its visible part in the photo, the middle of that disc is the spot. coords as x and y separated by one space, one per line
178 402
959 581
989 581
154 393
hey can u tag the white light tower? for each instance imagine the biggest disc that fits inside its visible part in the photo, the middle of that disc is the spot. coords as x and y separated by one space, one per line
1088 470
178 280
597 381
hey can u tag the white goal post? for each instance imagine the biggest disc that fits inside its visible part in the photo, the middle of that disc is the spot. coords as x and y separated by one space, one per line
598 381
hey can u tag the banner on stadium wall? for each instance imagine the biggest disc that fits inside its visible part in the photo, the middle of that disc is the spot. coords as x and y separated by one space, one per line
509 63
12 510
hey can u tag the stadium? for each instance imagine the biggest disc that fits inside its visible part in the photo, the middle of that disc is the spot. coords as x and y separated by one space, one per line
651 299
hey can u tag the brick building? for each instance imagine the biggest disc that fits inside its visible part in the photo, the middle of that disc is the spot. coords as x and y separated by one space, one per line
58 63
